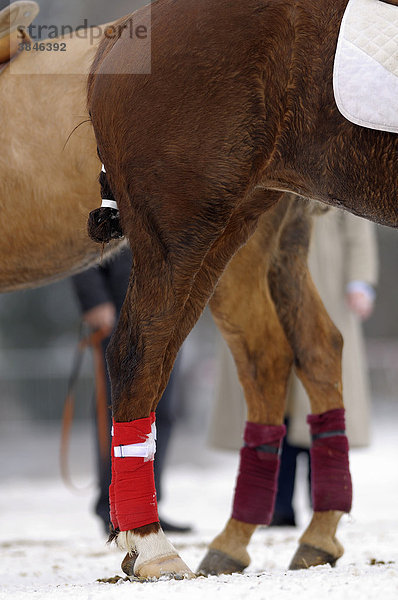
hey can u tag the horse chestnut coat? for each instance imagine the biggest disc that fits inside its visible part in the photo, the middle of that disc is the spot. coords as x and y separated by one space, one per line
237 109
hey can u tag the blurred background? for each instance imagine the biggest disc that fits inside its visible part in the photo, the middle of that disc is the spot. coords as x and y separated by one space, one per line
39 333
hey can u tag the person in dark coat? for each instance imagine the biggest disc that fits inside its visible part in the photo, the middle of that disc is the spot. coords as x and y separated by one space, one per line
100 292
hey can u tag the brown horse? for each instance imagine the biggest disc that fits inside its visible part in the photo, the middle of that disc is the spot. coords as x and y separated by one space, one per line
48 185
238 109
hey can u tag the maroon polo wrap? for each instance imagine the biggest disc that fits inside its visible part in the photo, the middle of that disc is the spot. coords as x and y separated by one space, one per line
256 484
330 472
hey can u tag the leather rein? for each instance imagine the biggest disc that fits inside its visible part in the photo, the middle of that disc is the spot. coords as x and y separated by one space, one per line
94 340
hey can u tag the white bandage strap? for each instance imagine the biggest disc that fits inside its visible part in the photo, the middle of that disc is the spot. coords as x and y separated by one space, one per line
106 203
145 450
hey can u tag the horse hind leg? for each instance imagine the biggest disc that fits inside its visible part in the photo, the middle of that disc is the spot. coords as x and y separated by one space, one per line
167 293
134 355
263 357
158 290
241 226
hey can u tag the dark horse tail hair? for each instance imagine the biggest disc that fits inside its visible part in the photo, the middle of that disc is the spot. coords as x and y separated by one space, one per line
104 223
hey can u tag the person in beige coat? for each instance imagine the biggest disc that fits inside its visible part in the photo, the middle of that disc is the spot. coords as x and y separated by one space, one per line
344 265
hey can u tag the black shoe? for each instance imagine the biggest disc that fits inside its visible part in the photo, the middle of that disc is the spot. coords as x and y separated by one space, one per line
102 511
106 526
172 528
280 520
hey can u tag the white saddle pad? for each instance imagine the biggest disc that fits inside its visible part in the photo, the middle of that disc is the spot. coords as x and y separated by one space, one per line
365 78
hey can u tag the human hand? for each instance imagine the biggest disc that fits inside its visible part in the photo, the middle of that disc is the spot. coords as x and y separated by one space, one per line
102 316
361 303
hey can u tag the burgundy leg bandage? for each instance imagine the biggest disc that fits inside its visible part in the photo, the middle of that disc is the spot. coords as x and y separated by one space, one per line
330 473
132 494
256 485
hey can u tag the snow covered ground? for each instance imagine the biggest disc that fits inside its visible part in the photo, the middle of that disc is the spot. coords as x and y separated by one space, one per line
51 545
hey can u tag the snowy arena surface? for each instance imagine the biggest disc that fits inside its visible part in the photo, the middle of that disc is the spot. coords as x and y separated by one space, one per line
52 547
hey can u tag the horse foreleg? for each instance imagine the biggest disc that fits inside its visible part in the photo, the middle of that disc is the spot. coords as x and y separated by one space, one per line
317 347
135 356
249 323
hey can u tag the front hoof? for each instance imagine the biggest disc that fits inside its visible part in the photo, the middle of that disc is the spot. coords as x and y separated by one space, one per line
309 556
216 563
168 566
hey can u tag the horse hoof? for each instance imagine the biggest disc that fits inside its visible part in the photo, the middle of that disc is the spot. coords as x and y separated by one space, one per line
168 566
216 562
309 556
128 564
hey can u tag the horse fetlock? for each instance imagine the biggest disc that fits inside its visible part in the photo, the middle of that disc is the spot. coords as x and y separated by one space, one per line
321 532
339 548
151 556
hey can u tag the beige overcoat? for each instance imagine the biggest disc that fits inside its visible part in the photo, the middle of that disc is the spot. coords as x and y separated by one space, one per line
343 249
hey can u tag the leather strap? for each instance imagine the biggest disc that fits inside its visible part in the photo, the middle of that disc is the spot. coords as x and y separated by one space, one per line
94 340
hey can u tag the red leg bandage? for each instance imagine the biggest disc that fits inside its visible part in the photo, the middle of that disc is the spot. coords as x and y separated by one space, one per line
257 481
132 492
112 502
330 472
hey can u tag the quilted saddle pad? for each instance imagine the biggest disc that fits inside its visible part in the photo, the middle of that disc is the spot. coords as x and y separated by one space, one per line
365 77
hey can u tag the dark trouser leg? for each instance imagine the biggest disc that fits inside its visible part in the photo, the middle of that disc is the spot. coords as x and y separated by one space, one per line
104 462
165 418
284 512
